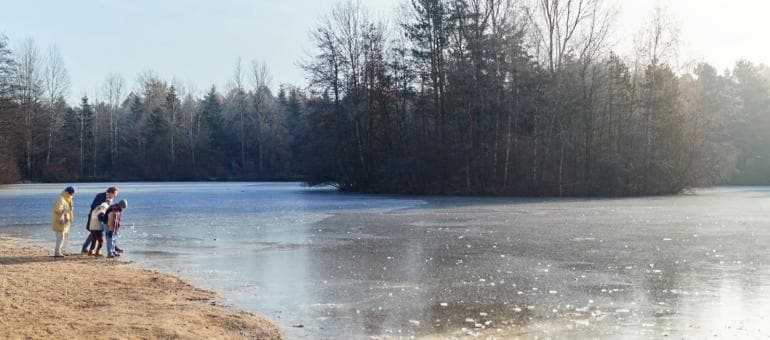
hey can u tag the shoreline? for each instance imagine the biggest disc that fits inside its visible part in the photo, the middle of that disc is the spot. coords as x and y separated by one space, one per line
85 297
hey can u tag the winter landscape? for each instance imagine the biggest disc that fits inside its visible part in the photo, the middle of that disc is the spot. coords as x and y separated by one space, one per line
357 266
381 169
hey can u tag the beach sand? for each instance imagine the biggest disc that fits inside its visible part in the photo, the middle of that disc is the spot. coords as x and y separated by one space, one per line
79 297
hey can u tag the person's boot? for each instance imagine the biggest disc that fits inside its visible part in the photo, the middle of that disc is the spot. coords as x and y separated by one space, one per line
118 250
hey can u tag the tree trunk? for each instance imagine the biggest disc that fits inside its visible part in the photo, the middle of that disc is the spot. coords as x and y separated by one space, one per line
507 161
112 138
94 131
173 135
561 167
50 141
243 139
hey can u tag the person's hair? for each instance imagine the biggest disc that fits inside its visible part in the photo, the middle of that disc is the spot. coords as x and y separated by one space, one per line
112 190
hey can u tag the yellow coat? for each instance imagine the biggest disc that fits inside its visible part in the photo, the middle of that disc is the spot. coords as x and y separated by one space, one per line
62 205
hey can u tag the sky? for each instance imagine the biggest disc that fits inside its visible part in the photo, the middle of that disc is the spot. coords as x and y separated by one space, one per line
719 32
196 43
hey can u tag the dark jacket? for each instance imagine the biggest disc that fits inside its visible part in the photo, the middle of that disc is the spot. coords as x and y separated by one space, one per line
99 199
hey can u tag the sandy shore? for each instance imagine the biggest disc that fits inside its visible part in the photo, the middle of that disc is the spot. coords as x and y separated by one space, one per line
79 297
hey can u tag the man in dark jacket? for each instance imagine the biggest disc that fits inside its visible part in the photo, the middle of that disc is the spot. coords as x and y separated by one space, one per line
100 198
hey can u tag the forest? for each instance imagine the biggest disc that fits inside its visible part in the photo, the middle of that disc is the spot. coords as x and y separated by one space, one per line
452 97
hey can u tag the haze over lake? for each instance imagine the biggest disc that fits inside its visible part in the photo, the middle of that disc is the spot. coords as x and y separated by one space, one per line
354 266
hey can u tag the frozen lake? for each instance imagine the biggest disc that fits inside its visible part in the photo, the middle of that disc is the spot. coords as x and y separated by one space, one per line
328 265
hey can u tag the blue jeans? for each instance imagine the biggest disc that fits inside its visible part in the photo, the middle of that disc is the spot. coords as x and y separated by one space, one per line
87 243
111 238
88 238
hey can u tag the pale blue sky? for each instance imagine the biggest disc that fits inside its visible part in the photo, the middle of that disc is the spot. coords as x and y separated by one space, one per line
198 41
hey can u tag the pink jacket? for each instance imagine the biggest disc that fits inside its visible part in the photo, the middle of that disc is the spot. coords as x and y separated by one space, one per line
113 218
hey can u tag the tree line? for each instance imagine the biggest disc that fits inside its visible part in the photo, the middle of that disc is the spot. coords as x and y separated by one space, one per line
474 97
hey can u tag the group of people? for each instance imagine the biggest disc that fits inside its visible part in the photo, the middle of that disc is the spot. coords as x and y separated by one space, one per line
103 222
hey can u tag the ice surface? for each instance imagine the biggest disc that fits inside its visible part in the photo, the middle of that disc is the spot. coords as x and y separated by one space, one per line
357 266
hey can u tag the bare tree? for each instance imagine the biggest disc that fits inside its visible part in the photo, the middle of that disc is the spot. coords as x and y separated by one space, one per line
261 79
658 40
240 107
260 75
172 107
29 92
113 90
325 74
591 45
95 134
191 123
57 83
655 44
563 29
350 21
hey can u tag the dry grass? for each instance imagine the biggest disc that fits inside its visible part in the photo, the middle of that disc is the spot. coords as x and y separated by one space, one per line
80 297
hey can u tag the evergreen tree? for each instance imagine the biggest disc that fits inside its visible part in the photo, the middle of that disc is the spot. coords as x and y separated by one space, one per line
157 139
172 108
463 103
67 154
132 147
85 136
9 171
213 139
292 106
662 171
752 121
7 74
429 32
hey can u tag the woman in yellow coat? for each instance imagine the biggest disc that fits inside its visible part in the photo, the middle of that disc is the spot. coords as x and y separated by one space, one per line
61 218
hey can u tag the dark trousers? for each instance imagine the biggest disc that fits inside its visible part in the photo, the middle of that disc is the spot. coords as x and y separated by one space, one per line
89 239
97 240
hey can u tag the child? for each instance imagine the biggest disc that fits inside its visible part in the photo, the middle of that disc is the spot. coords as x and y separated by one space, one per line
96 227
113 226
